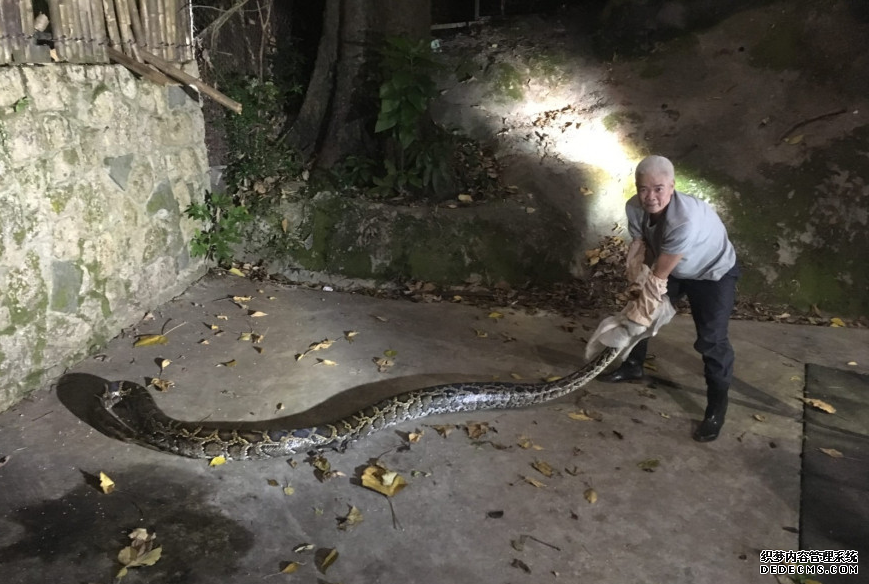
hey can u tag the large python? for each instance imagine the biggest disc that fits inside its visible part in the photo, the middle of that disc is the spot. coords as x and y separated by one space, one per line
134 416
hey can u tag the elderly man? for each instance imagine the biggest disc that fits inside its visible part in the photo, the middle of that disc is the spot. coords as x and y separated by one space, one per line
686 244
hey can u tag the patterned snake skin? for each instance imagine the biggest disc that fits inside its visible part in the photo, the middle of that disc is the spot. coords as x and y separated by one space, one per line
133 416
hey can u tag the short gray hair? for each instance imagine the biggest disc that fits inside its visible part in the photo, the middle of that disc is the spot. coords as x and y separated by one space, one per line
655 164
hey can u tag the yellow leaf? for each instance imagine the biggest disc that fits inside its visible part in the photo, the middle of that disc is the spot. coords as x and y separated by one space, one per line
495 315
327 560
443 430
552 378
794 139
832 452
820 405
256 313
217 461
837 322
414 437
222 317
106 484
665 416
241 299
590 495
236 272
244 337
214 327
476 429
147 559
515 376
288 490
543 468
162 384
290 567
390 353
164 363
584 415
534 482
150 340
649 465
382 480
353 517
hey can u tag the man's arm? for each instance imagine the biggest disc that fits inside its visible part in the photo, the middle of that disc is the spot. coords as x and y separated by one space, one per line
665 264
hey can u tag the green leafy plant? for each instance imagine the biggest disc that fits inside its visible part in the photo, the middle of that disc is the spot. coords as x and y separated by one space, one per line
413 154
255 148
224 219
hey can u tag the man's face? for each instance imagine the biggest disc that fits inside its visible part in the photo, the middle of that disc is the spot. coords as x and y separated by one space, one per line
655 192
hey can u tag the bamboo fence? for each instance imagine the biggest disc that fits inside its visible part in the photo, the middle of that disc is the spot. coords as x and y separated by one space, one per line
91 31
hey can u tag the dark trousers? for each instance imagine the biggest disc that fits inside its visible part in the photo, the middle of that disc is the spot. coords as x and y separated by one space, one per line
711 305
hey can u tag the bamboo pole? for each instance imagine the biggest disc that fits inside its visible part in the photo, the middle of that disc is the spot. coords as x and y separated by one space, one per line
25 8
5 41
171 31
153 27
188 30
136 22
56 26
64 28
183 77
123 13
145 16
98 30
112 25
12 29
87 42
161 29
75 31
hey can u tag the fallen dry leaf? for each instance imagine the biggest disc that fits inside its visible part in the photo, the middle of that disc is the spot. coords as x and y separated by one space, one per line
106 484
533 482
325 558
759 417
383 480
649 465
353 517
832 452
443 430
476 429
150 340
590 495
819 404
290 567
584 415
543 468
217 461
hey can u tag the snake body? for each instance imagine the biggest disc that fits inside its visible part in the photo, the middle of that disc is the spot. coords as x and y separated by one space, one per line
135 417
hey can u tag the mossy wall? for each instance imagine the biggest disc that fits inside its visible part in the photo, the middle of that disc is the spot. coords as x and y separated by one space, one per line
360 239
95 167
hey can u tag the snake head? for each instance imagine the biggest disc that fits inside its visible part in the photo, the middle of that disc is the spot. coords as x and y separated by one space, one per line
113 393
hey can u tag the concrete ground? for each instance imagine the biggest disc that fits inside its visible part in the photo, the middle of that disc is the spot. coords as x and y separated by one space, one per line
667 509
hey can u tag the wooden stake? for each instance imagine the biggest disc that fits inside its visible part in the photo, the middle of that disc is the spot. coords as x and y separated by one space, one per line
123 13
183 77
139 69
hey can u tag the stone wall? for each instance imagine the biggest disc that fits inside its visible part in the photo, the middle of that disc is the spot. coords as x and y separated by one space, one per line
96 168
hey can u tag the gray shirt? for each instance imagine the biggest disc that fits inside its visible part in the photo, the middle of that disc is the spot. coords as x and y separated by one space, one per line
689 227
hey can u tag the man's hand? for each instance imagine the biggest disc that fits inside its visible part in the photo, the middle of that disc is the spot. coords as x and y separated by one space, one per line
650 297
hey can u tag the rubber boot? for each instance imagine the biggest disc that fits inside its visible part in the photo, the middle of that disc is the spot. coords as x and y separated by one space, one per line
713 419
631 368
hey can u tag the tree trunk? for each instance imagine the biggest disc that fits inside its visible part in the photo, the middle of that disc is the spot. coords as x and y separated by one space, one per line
341 103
